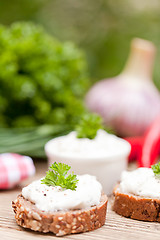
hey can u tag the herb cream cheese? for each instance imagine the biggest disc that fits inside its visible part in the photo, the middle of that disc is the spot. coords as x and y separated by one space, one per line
49 198
104 144
141 182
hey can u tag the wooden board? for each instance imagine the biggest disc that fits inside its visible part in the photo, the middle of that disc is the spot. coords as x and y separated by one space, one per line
116 227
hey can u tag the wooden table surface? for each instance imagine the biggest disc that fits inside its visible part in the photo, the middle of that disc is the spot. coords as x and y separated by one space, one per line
116 227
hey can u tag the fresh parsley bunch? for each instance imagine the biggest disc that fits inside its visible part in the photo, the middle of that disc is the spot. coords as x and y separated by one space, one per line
42 80
57 176
88 126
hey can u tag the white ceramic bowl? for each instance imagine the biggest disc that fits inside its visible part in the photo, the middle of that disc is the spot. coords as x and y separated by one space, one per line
106 168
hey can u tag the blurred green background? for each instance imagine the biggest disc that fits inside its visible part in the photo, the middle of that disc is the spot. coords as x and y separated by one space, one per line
102 28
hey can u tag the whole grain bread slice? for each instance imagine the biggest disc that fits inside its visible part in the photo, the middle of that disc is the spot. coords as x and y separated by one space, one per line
60 223
136 207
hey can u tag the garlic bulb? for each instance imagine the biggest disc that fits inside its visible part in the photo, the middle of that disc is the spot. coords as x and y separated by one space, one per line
129 102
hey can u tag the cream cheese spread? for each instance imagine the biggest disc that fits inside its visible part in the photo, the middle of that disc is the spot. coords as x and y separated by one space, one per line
141 182
104 144
49 198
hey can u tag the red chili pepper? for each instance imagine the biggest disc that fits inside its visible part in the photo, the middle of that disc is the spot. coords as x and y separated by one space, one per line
136 147
151 145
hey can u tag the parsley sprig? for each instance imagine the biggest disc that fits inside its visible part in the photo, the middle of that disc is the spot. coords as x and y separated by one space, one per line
156 169
57 176
88 126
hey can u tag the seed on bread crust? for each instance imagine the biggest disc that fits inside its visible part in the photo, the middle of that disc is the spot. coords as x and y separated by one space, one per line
136 207
61 222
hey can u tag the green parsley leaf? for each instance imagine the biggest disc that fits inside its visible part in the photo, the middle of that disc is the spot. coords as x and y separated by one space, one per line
88 126
156 169
36 70
57 176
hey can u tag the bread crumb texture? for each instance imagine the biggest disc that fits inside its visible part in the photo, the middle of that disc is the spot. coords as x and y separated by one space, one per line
60 223
136 207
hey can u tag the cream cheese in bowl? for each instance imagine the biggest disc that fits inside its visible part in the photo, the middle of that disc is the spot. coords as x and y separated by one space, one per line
105 156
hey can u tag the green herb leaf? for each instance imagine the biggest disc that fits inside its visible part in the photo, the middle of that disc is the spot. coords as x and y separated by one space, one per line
88 126
36 70
156 169
57 176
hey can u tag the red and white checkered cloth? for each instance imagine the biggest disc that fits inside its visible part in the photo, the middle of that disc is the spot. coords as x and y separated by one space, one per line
14 168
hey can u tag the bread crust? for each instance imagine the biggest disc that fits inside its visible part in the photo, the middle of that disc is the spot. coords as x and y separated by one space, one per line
136 207
60 223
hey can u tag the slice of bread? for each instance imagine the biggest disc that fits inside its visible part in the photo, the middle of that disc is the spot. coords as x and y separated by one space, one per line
136 207
60 223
